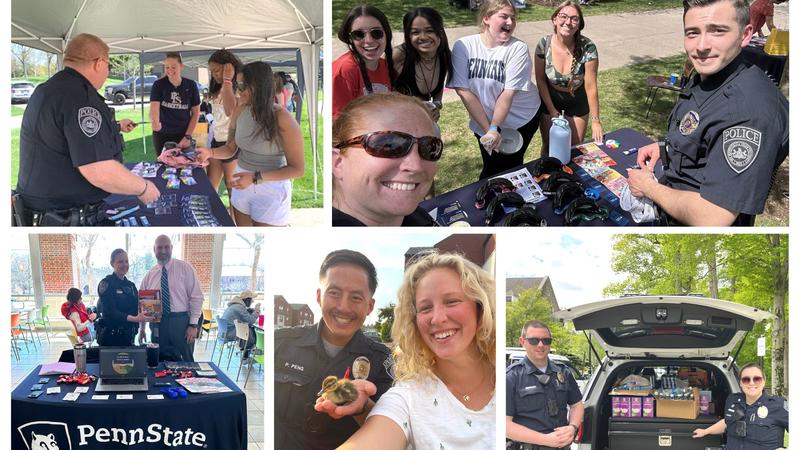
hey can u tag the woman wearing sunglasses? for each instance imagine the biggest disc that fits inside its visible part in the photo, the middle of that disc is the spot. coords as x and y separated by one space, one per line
566 73
362 71
270 146
753 420
423 61
385 150
492 75
444 336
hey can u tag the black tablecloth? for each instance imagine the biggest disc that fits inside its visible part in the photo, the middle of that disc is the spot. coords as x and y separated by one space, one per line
627 137
175 218
771 65
221 419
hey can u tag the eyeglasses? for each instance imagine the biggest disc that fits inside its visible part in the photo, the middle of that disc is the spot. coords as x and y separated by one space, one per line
563 17
396 144
535 340
375 33
755 380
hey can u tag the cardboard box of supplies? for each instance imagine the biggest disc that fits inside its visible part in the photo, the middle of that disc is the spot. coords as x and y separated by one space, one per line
679 409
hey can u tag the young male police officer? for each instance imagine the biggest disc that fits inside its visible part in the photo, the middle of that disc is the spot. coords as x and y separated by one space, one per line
70 146
538 392
304 356
727 134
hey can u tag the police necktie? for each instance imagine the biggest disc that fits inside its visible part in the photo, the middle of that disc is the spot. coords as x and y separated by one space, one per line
164 292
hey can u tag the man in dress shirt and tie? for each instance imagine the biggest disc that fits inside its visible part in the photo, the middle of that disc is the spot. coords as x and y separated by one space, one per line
181 300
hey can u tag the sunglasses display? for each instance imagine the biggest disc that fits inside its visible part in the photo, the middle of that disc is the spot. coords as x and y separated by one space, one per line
535 340
359 35
396 144
755 380
490 189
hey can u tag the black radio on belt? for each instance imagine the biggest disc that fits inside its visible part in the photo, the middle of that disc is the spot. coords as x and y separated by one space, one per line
662 151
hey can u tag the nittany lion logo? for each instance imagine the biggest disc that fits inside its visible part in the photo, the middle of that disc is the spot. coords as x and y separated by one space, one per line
740 146
89 119
45 435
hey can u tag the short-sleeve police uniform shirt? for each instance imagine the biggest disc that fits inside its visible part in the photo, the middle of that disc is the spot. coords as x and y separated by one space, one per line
766 420
301 364
176 103
727 136
527 396
66 125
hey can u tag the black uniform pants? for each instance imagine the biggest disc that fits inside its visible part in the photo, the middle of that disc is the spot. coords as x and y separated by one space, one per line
172 336
498 162
160 138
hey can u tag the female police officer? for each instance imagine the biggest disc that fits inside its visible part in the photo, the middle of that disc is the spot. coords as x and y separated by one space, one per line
118 305
753 420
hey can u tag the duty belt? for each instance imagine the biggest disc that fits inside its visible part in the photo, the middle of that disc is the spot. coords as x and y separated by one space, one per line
79 216
512 445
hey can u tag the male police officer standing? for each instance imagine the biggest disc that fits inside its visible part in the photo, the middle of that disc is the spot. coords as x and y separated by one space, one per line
727 134
70 146
538 392
304 356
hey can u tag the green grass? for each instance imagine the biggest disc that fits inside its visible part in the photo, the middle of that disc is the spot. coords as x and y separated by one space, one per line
454 17
16 111
303 189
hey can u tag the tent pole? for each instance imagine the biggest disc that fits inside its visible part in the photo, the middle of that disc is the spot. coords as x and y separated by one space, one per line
141 92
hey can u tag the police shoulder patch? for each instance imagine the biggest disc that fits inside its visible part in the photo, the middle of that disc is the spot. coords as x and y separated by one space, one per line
740 146
101 288
89 120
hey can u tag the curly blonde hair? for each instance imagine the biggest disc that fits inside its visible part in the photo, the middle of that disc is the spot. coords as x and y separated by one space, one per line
412 356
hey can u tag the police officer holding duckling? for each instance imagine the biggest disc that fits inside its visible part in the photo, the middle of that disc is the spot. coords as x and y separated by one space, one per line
352 370
544 409
753 420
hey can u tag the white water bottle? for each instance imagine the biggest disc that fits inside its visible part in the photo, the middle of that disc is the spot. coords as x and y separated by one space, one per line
560 139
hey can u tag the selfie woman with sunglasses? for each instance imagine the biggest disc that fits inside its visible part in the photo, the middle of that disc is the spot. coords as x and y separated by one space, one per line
444 350
362 71
492 75
385 149
566 73
423 61
270 147
753 420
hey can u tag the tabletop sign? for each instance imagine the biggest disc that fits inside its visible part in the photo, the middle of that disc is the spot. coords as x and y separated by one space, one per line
762 346
124 396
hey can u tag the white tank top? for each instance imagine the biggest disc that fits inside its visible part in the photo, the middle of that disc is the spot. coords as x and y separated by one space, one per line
221 120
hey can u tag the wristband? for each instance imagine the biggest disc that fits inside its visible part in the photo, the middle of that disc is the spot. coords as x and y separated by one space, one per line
575 427
227 81
256 177
596 118
493 128
146 183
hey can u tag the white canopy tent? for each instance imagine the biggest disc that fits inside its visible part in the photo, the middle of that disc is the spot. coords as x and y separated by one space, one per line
157 26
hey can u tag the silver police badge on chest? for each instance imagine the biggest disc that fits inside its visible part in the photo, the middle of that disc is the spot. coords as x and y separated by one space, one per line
89 119
762 412
689 123
740 146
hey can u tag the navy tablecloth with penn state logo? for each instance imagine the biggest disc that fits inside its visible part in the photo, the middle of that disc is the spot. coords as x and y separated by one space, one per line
199 421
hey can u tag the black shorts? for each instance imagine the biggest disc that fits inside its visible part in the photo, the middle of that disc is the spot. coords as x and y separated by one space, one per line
573 106
217 144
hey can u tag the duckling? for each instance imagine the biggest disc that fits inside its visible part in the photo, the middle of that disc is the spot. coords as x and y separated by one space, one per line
339 391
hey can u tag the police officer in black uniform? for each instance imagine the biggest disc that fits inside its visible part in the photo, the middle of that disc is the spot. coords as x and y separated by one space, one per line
304 356
753 420
538 392
728 132
118 305
71 147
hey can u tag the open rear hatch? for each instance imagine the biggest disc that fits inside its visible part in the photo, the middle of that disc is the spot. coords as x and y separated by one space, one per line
665 326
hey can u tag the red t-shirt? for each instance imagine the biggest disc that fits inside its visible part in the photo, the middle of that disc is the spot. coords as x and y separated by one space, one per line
759 10
348 84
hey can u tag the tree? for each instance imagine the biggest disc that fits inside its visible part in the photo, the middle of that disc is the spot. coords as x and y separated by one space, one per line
255 242
385 322
84 243
124 65
24 55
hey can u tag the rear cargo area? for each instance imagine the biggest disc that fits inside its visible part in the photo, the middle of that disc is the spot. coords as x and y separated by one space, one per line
657 406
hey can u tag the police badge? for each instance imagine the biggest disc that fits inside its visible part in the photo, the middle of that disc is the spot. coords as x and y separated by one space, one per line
762 412
89 119
740 145
689 123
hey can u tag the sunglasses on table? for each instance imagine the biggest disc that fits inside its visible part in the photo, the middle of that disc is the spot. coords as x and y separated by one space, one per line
359 35
395 144
535 341
755 380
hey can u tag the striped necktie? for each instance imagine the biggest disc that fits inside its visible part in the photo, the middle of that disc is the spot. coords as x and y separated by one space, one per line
164 292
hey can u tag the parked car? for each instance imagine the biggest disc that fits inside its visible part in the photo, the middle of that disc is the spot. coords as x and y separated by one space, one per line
119 93
21 91
656 336
514 354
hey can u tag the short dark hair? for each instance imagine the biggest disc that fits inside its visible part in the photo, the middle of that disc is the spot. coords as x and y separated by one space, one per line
750 366
741 6
535 324
115 253
73 295
339 257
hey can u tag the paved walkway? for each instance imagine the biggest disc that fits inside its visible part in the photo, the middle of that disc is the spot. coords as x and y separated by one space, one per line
621 39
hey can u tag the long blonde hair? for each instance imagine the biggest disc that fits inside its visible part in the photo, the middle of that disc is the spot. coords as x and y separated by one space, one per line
412 356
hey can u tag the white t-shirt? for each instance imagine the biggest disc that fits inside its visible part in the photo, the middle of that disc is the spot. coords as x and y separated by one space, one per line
487 72
432 418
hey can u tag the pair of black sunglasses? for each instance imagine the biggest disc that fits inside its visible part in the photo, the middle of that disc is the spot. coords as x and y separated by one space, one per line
535 341
396 144
359 35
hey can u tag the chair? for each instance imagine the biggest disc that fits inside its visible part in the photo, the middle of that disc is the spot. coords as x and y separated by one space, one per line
42 319
243 335
15 333
72 336
24 326
656 82
222 340
208 324
258 354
